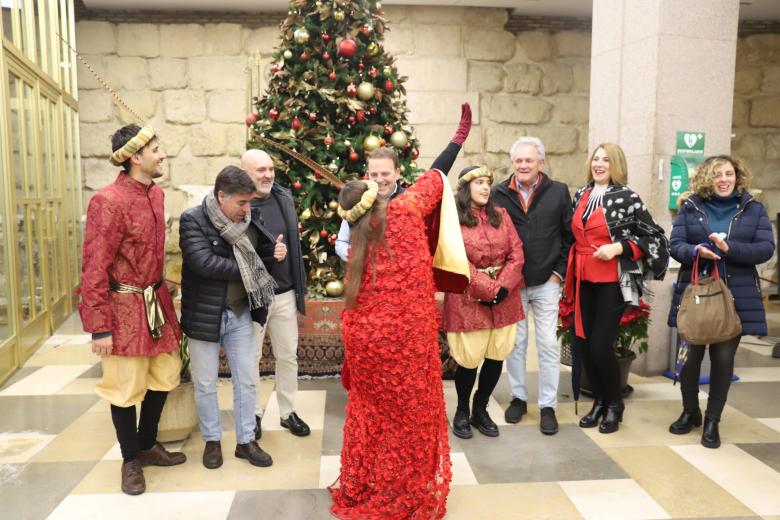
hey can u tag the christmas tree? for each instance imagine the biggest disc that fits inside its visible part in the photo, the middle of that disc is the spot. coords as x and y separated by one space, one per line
334 96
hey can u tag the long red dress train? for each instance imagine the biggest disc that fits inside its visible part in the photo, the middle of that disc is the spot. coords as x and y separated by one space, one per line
395 460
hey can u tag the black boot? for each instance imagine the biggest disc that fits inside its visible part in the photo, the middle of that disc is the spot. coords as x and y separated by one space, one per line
460 424
482 421
591 420
687 420
710 436
612 418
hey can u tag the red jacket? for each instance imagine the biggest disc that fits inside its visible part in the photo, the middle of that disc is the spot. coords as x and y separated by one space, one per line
124 242
487 246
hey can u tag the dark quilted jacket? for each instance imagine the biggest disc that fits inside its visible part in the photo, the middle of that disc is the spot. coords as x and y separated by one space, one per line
750 243
208 264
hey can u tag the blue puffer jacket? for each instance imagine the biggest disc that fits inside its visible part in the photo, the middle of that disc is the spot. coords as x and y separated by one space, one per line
750 243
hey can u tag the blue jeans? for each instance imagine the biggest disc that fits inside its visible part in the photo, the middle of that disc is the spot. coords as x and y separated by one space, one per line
238 339
543 301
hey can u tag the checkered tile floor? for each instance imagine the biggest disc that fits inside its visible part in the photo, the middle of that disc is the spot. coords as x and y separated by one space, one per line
59 458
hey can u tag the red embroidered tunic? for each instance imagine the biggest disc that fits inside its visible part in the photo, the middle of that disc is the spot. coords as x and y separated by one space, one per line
487 246
395 459
582 266
124 242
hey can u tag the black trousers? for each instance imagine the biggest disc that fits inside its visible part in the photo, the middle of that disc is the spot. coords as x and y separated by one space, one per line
601 306
488 378
132 440
722 358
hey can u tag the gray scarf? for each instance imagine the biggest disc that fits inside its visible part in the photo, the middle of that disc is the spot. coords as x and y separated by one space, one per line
259 285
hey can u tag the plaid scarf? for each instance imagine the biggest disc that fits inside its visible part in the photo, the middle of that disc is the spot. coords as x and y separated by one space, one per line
259 285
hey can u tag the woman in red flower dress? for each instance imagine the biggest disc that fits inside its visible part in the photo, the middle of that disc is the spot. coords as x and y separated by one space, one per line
395 457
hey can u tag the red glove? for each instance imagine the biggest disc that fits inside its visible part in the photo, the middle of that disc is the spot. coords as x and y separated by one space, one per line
464 127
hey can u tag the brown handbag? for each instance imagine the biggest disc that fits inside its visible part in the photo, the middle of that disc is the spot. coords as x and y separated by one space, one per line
707 314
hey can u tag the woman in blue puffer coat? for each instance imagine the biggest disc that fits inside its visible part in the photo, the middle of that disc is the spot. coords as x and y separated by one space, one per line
721 222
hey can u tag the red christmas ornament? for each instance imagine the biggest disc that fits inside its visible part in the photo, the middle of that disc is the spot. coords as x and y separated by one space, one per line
326 55
297 185
325 37
373 72
276 68
372 110
351 90
301 228
353 156
312 117
296 124
251 118
318 175
304 56
347 47
361 66
388 129
351 120
415 153
361 115
388 86
382 142
331 240
328 141
324 233
332 75
273 114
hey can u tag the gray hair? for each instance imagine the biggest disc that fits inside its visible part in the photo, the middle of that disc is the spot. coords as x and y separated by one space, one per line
525 141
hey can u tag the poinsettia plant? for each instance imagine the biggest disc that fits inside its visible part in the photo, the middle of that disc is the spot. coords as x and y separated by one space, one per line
633 328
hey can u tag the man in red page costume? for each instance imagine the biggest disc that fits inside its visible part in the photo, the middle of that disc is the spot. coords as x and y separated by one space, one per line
125 303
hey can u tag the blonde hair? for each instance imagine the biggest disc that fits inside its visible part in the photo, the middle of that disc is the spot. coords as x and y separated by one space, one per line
618 169
701 184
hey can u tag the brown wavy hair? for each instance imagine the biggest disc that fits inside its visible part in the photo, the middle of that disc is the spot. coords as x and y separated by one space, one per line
701 184
463 204
618 168
368 230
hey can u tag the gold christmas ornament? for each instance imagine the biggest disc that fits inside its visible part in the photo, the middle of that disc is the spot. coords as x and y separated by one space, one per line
373 49
371 143
305 214
365 91
301 35
399 139
333 205
333 167
338 16
334 288
387 71
287 54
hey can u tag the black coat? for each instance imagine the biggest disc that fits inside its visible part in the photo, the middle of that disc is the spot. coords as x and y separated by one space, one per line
750 243
545 230
287 205
208 263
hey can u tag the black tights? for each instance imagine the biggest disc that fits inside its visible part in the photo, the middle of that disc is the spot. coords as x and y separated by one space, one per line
488 378
132 440
722 358
601 305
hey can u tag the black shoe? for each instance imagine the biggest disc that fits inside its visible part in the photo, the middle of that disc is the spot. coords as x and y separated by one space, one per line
710 436
296 425
591 420
258 427
685 423
254 454
548 424
482 421
612 419
460 424
515 411
212 454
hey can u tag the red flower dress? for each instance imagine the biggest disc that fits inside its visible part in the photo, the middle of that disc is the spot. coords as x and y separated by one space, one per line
395 460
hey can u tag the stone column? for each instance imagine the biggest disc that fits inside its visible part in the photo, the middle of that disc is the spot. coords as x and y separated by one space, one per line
659 66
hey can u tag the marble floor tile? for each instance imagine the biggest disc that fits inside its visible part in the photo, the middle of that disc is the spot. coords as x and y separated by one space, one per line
88 438
621 499
79 386
646 423
333 421
17 376
772 422
308 504
45 413
684 492
96 372
751 481
67 354
18 448
309 405
46 381
523 454
758 374
526 501
115 453
32 491
768 453
660 392
330 468
212 505
462 475
750 398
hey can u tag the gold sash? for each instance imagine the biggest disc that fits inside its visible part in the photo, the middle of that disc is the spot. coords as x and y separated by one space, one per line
155 318
492 271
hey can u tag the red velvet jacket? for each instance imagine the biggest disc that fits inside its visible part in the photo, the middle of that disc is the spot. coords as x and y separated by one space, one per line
124 242
488 246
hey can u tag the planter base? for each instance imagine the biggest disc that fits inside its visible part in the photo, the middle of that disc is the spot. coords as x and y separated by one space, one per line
180 416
